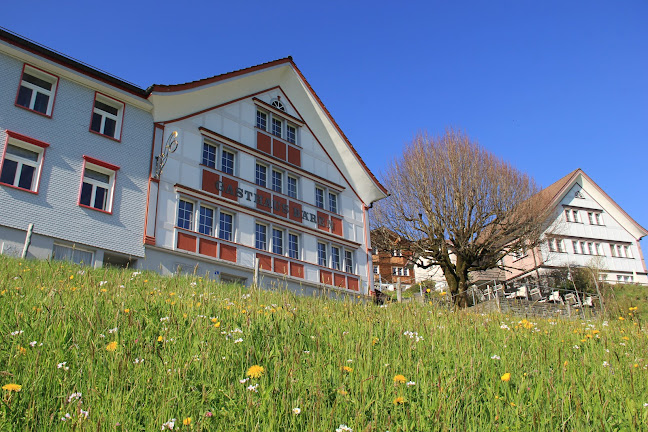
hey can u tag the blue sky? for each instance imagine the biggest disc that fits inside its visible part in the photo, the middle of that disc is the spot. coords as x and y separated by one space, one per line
548 85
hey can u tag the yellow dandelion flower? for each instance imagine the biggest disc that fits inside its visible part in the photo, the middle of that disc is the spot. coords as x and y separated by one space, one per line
112 346
506 377
22 350
347 369
566 363
621 319
636 365
160 339
255 371
400 379
374 341
71 277
399 400
217 324
625 338
104 290
186 421
126 310
343 392
12 387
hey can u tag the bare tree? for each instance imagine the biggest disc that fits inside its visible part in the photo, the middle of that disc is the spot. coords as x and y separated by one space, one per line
449 197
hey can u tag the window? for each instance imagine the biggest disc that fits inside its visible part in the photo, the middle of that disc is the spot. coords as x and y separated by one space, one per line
277 177
335 257
277 241
319 197
348 261
568 215
206 220
227 162
628 254
72 254
293 246
397 253
576 216
291 134
582 248
376 269
552 245
292 186
185 214
107 116
261 175
613 250
400 271
321 254
590 248
37 90
576 247
225 226
261 120
277 126
599 249
22 162
594 218
98 184
261 237
332 202
209 155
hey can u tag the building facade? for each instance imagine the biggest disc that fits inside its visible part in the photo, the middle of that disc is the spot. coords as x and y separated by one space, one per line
211 177
74 146
587 229
261 172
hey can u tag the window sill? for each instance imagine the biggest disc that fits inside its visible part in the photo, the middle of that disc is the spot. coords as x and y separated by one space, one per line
34 111
95 209
35 192
106 136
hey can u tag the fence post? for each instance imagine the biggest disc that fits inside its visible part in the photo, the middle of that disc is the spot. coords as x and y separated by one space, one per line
30 231
256 272
399 294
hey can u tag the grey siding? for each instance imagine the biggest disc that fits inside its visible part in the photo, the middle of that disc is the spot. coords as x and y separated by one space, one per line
54 210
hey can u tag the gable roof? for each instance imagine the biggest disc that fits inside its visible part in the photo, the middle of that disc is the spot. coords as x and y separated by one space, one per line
284 74
41 50
554 193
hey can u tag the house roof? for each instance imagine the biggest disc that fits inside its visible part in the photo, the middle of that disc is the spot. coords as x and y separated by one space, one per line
41 50
256 79
555 192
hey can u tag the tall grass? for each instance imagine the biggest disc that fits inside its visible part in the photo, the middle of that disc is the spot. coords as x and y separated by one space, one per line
183 347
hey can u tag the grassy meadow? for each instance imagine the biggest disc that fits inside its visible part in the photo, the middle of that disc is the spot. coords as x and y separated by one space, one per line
116 350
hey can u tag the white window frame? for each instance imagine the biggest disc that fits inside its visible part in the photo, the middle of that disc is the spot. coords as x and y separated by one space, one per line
285 126
192 214
29 144
118 118
211 227
280 176
325 257
36 89
273 243
232 230
289 249
72 249
349 268
257 177
376 269
218 153
256 240
336 264
102 168
288 189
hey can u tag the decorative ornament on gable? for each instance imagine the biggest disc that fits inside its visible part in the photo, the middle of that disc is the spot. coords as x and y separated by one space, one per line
278 104
578 194
170 147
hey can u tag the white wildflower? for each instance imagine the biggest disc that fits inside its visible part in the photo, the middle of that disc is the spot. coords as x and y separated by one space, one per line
32 344
102 283
253 387
244 380
296 411
410 383
495 357
62 366
169 425
344 428
238 340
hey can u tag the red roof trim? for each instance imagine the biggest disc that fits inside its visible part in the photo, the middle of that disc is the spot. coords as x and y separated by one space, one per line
382 188
100 163
164 88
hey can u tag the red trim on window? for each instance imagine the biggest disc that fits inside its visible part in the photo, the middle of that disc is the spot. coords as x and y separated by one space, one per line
297 270
326 277
227 252
264 143
123 112
265 262
278 149
53 94
280 266
115 168
209 181
25 138
101 163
